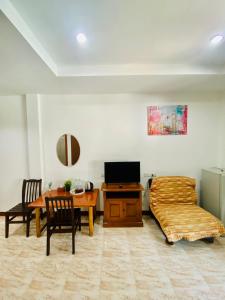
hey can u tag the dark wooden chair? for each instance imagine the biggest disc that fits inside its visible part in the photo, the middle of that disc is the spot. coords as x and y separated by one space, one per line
62 217
31 190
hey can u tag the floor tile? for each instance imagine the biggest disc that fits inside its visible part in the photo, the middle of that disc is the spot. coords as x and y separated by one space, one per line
116 263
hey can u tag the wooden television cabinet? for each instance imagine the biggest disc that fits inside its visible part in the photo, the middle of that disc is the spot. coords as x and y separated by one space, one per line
122 205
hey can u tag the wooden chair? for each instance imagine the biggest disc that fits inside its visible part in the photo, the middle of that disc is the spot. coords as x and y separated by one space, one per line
62 217
31 190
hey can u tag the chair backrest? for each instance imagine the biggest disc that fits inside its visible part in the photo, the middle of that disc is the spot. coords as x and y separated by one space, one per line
173 190
60 209
31 190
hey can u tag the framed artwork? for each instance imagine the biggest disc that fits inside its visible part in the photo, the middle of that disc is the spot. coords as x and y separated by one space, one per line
167 120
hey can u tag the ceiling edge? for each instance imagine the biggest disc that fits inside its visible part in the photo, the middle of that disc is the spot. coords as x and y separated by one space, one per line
136 70
14 17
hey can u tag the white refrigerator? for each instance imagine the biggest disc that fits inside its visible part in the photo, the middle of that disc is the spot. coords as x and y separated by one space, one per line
213 192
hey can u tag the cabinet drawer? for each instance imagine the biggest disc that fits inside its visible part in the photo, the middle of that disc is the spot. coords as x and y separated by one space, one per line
114 209
132 210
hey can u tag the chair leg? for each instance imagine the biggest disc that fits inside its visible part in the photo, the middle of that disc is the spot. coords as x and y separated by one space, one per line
73 240
48 243
6 226
79 221
94 213
28 225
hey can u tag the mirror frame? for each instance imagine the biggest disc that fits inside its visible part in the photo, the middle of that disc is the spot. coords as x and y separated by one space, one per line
68 149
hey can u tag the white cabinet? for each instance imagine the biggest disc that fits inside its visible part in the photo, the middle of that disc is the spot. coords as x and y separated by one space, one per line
213 192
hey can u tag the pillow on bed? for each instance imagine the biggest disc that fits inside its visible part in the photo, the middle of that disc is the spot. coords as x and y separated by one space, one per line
173 190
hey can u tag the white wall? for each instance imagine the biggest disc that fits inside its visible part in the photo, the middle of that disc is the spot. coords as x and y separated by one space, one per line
108 127
34 138
114 127
13 150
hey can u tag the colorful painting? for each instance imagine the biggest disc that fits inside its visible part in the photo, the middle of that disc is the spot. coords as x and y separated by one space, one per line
167 120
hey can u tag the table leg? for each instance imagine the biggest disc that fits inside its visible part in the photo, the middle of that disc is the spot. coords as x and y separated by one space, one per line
91 224
38 224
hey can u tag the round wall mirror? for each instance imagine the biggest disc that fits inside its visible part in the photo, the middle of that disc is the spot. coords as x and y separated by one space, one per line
68 149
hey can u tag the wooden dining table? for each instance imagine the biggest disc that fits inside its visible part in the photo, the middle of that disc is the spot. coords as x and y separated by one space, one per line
87 199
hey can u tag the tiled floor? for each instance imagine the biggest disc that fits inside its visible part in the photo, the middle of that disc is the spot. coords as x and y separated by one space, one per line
116 263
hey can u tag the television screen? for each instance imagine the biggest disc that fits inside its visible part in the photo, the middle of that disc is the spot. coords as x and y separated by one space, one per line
122 172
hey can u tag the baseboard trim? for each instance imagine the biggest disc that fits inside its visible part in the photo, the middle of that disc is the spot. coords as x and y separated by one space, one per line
146 213
98 213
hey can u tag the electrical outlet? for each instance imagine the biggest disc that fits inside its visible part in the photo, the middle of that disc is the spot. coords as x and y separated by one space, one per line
147 175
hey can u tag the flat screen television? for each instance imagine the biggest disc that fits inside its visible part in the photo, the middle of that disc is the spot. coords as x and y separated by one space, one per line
122 172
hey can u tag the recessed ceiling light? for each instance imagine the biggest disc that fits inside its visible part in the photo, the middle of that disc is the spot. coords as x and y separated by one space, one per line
217 39
81 38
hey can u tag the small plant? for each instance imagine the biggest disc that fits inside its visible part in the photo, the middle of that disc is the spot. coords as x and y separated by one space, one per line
50 186
67 185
